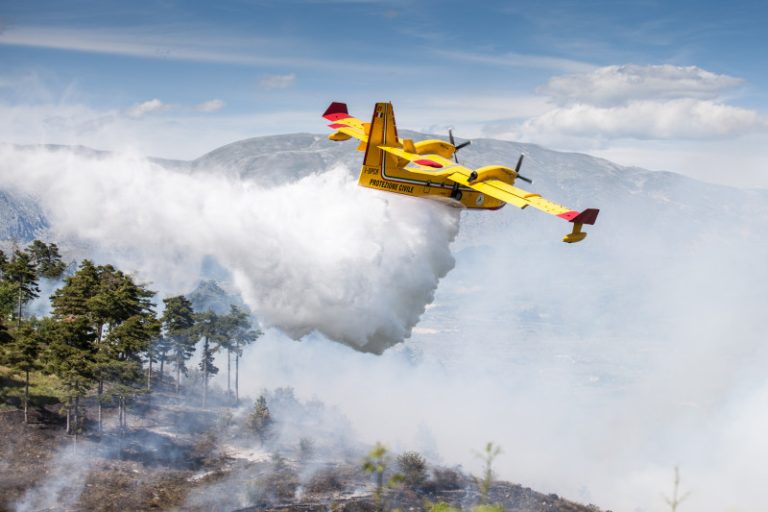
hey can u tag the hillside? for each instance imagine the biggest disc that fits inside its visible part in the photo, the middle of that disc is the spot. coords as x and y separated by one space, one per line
175 455
591 364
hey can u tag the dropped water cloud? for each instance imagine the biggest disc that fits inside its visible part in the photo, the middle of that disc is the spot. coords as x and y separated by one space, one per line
319 254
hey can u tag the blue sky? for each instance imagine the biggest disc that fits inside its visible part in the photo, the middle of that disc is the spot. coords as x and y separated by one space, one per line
660 84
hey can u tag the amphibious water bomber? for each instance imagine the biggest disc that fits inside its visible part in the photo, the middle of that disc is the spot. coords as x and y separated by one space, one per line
431 169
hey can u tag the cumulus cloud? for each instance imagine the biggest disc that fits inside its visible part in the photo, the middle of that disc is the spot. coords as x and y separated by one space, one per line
661 102
213 105
647 119
278 81
619 85
153 105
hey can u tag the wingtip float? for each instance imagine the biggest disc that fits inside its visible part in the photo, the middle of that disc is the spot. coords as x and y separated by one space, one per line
430 168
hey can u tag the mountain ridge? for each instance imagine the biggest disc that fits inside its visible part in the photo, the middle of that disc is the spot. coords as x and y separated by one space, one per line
579 179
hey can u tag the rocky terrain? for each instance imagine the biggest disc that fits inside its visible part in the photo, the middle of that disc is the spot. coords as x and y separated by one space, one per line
177 456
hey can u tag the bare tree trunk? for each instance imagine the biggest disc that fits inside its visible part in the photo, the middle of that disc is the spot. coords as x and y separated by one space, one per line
125 413
237 375
229 387
77 413
205 372
18 318
98 398
149 375
178 377
120 415
162 367
26 397
69 413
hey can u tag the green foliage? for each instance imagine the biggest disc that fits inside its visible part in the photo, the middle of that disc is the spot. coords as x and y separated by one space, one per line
238 331
260 420
178 322
46 259
376 463
23 349
70 354
117 316
8 300
484 483
5 336
210 327
441 506
20 275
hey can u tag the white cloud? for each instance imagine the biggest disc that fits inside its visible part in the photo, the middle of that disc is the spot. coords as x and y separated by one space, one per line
661 102
213 105
619 85
278 81
175 134
646 119
153 105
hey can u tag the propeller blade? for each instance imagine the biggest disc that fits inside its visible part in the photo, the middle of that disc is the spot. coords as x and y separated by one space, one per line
457 148
453 143
519 163
517 170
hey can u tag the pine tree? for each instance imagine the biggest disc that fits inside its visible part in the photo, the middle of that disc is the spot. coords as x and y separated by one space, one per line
260 420
119 314
46 259
178 322
122 351
210 327
72 298
8 300
239 334
23 354
5 336
70 355
21 274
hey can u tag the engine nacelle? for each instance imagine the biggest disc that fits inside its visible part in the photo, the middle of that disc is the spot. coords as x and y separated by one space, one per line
434 147
498 172
338 136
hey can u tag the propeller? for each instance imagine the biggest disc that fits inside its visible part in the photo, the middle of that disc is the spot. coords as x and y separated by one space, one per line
457 148
517 170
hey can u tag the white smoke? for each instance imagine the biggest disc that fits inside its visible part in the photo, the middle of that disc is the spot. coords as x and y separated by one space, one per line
61 488
320 254
597 367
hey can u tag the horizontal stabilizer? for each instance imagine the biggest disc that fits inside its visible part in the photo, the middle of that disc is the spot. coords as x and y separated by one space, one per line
336 111
588 216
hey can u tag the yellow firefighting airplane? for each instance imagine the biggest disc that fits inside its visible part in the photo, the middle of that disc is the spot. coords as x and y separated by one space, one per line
431 169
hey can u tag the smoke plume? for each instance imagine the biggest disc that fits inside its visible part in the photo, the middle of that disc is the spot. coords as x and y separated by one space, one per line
319 254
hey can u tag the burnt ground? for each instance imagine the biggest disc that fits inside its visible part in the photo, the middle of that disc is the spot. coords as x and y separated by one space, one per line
178 457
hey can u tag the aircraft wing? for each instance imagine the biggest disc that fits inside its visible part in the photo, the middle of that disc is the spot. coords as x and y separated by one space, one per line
494 181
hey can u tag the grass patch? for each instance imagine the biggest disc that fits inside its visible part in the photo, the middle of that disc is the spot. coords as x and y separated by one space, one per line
43 389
